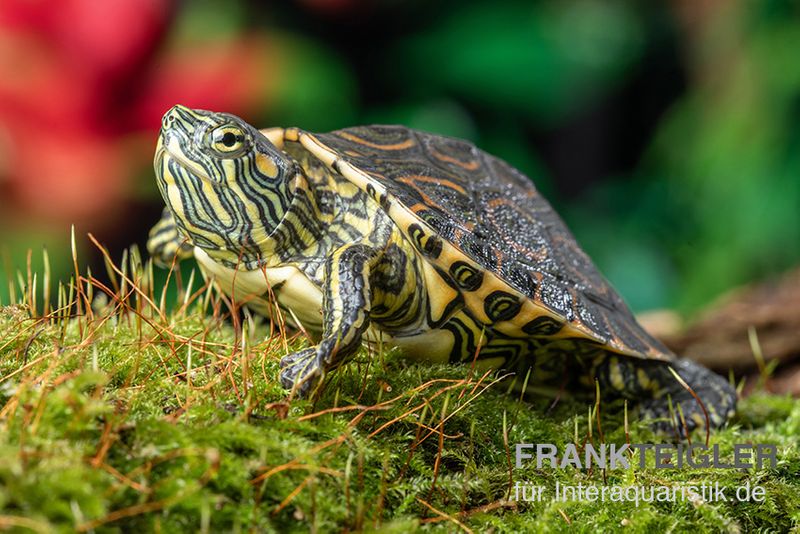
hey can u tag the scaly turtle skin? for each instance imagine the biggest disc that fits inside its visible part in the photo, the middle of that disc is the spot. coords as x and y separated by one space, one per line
385 234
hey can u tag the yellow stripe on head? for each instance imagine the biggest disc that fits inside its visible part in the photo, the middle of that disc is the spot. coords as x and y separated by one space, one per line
226 184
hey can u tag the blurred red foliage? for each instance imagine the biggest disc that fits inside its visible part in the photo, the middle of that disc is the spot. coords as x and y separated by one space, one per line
82 87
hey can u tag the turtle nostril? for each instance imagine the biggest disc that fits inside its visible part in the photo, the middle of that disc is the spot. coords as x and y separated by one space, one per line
169 118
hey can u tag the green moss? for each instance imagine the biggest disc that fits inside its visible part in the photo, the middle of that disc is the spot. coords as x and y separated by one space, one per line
110 427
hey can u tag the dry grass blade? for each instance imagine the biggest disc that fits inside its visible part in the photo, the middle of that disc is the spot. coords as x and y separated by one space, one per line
688 388
146 402
446 516
137 289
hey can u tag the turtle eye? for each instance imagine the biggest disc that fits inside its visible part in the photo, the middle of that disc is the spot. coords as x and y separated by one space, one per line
228 141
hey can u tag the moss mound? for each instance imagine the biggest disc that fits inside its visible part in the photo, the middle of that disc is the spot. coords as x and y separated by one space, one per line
130 420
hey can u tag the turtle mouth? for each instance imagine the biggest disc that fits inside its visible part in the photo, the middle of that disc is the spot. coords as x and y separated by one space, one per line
158 159
170 148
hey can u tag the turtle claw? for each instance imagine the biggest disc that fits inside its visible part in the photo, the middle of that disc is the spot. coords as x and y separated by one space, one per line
663 422
301 371
669 423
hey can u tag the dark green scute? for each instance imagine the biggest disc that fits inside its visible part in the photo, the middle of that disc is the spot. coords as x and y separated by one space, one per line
494 214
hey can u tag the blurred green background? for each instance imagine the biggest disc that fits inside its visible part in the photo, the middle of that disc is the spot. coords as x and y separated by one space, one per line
667 134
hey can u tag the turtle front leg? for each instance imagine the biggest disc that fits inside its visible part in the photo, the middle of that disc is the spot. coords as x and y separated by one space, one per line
346 305
165 241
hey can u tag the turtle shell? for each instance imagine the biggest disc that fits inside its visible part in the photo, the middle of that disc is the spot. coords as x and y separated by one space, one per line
484 224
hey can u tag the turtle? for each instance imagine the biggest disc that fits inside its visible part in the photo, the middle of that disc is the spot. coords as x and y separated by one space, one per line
389 235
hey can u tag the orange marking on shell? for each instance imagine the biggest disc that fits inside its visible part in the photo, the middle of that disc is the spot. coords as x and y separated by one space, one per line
615 341
643 340
470 166
409 180
408 143
429 202
575 312
498 202
498 260
537 292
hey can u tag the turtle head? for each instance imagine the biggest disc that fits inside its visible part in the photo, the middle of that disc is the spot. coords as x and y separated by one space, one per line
227 186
